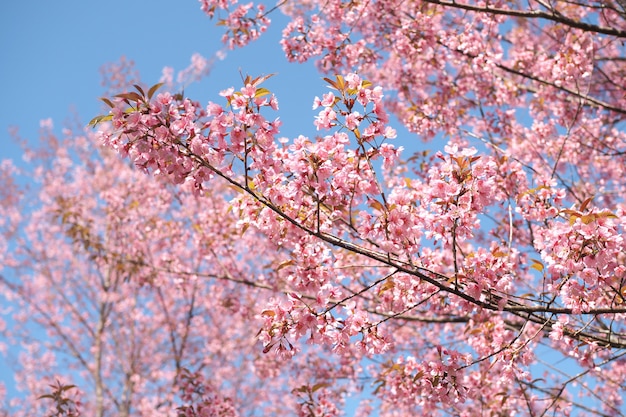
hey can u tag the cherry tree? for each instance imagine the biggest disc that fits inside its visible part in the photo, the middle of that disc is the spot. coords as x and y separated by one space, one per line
486 277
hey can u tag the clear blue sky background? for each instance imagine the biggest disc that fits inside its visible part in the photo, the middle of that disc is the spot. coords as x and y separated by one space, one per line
51 52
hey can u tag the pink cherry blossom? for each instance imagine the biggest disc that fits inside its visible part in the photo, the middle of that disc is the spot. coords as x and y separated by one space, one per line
480 274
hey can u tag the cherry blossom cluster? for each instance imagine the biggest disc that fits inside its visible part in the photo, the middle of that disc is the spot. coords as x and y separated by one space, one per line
409 380
584 258
317 400
339 110
326 36
302 41
199 68
203 401
161 135
243 23
66 402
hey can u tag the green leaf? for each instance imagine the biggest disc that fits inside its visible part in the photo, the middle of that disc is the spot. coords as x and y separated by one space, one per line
588 218
531 191
537 264
260 92
99 119
606 214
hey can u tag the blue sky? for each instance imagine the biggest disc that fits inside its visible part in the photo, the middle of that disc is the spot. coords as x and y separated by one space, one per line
51 52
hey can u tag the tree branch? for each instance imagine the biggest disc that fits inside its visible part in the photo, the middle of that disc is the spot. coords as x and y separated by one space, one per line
555 16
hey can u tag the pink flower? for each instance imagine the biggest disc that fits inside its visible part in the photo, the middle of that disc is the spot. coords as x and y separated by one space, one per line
557 331
390 133
328 99
353 120
248 91
590 276
353 81
325 119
